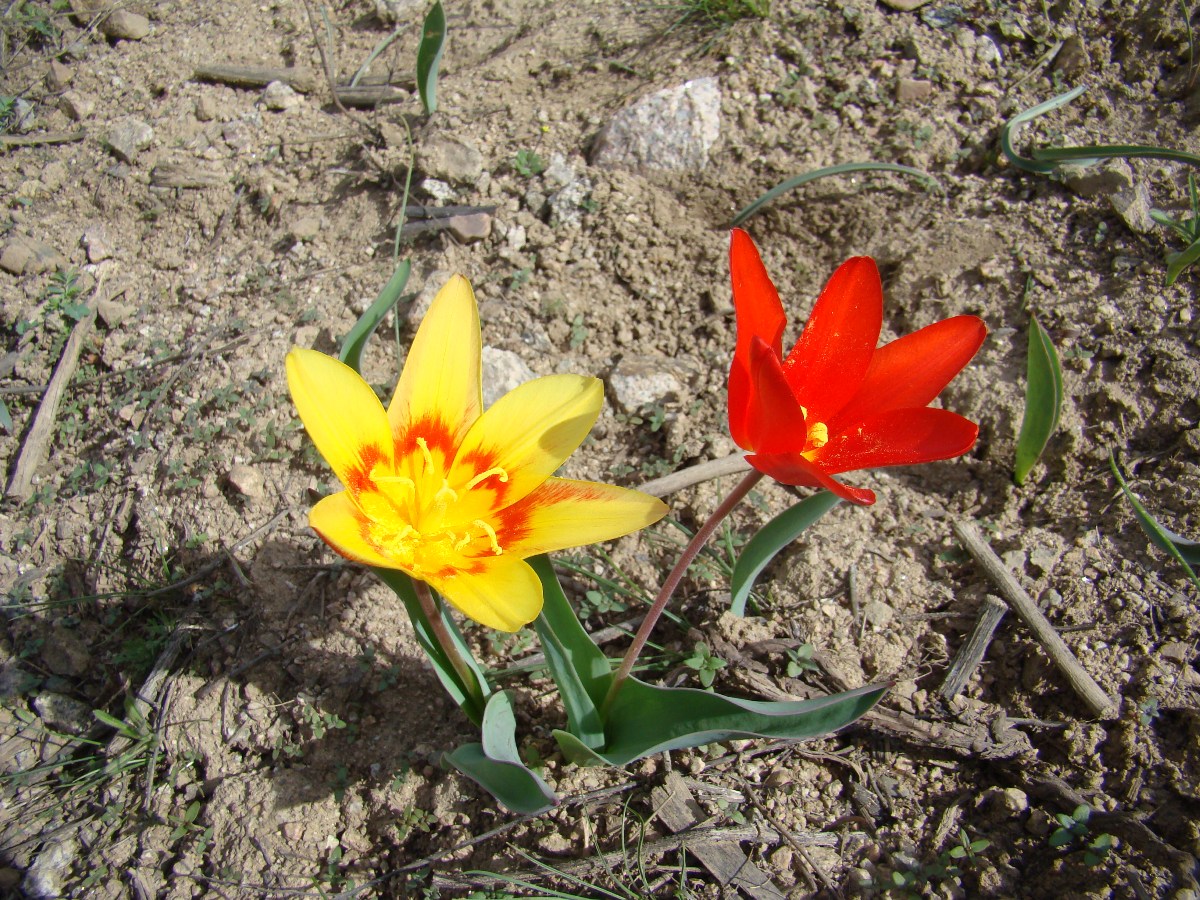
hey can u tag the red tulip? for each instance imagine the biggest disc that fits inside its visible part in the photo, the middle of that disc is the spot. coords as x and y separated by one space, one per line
837 402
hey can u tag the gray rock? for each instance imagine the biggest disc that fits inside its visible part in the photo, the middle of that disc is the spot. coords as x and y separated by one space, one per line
503 370
63 713
910 90
878 613
206 108
1134 207
1090 181
65 653
22 118
567 204
1072 57
670 130
59 75
470 228
128 138
112 312
122 25
449 159
46 877
76 106
434 282
639 382
26 256
438 190
247 481
280 97
95 241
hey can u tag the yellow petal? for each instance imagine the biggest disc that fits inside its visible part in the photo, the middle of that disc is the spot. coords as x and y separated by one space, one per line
440 382
564 513
524 437
342 525
503 592
343 416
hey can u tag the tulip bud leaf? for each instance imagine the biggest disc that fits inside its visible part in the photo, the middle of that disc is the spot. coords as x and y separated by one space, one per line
429 56
356 338
1043 401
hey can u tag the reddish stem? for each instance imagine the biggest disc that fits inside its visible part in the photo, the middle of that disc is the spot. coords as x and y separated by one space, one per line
690 552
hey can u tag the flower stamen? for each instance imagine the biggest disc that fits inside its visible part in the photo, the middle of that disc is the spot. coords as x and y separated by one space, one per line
424 445
818 435
491 535
483 476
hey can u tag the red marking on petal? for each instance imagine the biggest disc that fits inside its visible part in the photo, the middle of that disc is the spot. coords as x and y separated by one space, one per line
435 432
358 479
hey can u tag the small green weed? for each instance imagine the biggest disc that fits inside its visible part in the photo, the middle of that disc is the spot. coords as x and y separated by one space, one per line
704 663
800 661
917 879
1187 228
320 722
579 331
1073 833
720 13
415 819
529 163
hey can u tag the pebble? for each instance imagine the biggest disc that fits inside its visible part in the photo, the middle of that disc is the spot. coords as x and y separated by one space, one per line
1089 181
470 228
1072 58
206 108
247 481
122 25
26 256
63 713
450 159
76 106
65 653
438 190
59 75
128 138
878 613
280 97
639 382
1133 206
670 130
112 312
910 90
46 877
503 370
306 228
96 243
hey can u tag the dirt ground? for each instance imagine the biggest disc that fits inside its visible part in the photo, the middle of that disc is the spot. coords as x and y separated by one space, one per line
292 736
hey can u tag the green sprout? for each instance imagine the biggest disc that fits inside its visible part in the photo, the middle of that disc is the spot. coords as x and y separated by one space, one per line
1188 229
706 665
529 163
1073 830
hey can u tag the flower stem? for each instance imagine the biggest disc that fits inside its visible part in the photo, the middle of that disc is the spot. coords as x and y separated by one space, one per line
433 614
690 552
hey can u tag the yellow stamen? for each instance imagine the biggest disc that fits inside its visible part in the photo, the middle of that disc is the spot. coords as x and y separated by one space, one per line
495 470
394 479
462 542
818 435
423 444
444 492
491 535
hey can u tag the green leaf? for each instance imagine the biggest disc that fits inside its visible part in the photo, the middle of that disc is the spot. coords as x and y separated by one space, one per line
1043 401
770 539
6 421
584 659
429 56
1177 262
583 716
1185 552
645 719
470 697
356 339
840 169
496 763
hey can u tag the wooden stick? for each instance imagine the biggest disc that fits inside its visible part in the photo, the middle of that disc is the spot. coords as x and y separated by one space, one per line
1101 705
970 654
256 76
37 443
705 471
46 137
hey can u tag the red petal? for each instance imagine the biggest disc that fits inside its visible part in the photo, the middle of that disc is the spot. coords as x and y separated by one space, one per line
912 370
775 422
759 314
899 437
794 469
827 364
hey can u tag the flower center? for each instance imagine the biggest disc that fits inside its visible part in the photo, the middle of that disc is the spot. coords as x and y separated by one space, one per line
422 522
818 433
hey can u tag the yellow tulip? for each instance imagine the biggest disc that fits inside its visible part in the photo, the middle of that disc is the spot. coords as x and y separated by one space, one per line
454 495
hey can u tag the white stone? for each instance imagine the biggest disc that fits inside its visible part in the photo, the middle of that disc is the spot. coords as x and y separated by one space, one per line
671 130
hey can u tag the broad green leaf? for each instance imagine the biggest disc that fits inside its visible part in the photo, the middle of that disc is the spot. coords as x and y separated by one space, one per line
1177 262
356 339
583 717
840 169
429 56
645 719
1043 401
1184 553
495 764
470 697
587 661
770 539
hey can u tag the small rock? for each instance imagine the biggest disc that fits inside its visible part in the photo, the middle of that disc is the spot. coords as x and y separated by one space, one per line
128 138
112 312
306 228
46 877
1004 803
247 481
65 653
392 11
878 613
987 51
63 713
55 175
437 190
670 130
122 25
1134 207
59 75
95 242
76 106
1110 178
1177 651
503 370
306 336
293 832
470 228
206 108
1072 57
1039 823
26 256
279 97
450 159
910 90
639 382
22 118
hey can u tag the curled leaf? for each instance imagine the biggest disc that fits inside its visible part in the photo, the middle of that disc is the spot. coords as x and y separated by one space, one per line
356 339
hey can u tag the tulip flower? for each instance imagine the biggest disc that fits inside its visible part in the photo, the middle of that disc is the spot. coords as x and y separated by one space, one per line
452 494
837 403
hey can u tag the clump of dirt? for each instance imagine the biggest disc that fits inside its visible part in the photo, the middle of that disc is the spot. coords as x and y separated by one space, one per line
279 729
